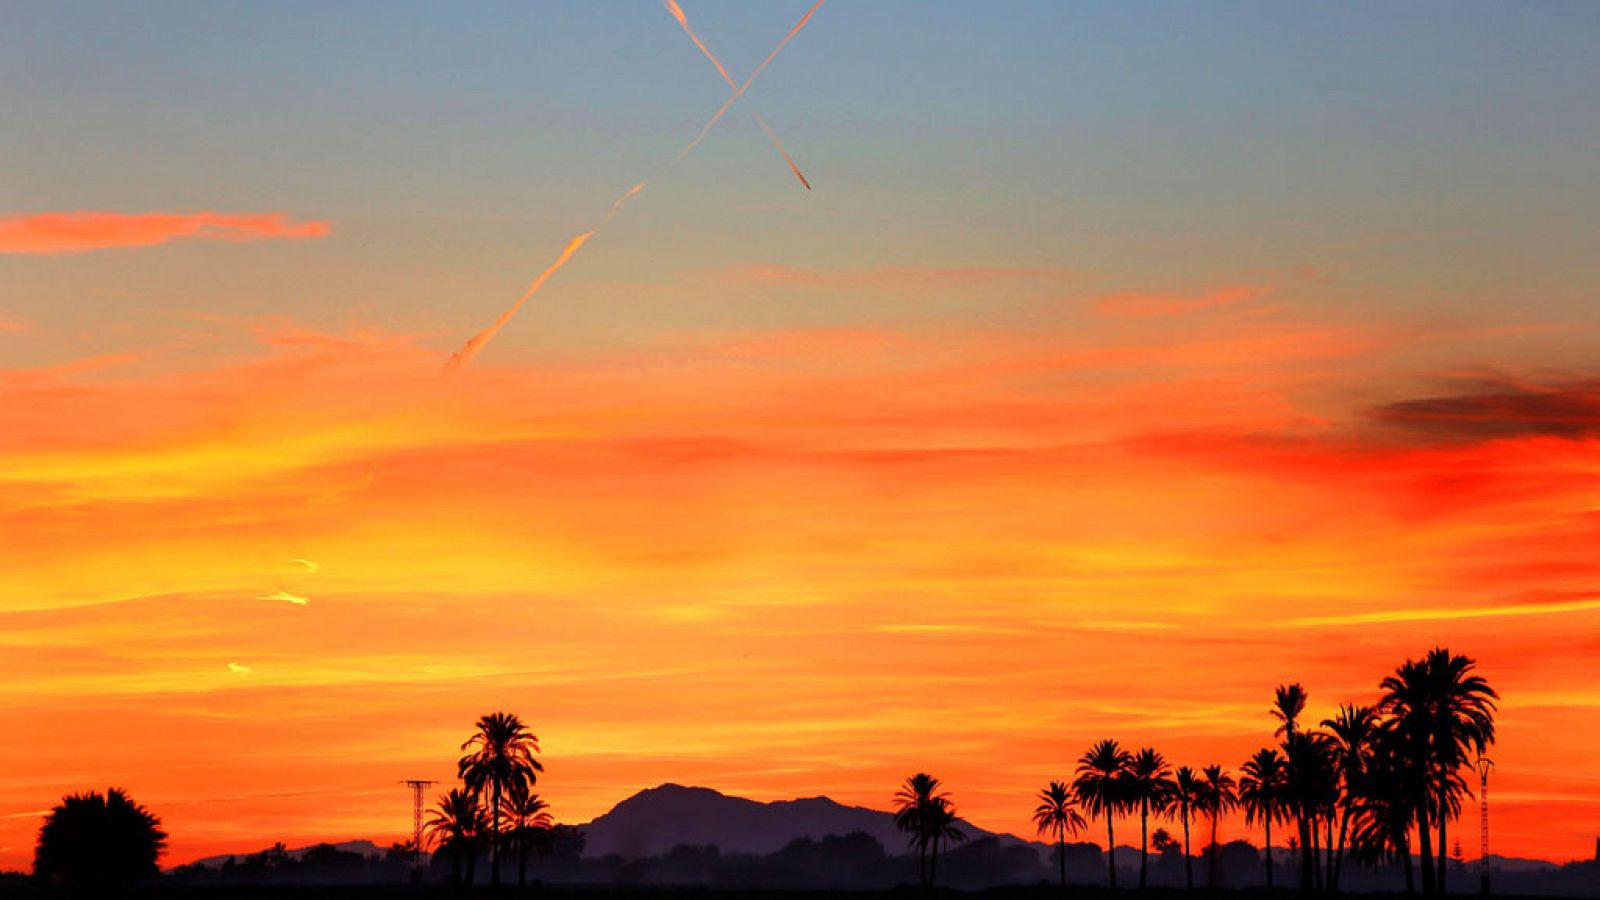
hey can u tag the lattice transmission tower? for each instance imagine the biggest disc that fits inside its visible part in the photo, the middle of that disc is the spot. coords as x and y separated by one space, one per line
419 788
1484 765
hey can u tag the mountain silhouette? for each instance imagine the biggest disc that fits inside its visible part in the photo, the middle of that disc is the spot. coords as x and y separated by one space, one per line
657 819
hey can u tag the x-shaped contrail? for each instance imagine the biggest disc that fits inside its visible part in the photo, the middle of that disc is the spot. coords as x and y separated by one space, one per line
677 13
477 342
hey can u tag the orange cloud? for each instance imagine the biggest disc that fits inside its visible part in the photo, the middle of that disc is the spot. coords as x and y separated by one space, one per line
1144 305
50 233
683 562
894 277
11 326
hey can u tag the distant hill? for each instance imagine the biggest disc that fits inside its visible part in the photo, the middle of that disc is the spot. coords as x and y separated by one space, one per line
365 848
655 820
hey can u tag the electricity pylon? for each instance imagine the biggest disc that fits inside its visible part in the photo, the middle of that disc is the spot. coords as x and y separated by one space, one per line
1483 766
418 786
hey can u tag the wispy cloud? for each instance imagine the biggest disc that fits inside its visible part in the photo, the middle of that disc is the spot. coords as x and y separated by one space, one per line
1148 305
11 326
1501 408
237 669
1386 616
50 233
286 597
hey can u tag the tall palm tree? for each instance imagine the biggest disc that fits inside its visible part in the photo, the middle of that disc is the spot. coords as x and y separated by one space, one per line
1351 734
1382 805
1289 703
457 824
530 823
1146 778
1101 789
1057 814
1217 799
500 757
1186 792
1445 713
912 806
939 825
1263 793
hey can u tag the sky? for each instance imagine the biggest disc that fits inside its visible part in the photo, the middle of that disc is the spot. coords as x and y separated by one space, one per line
1125 361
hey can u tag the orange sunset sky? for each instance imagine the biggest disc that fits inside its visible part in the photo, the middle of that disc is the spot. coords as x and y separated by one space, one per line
1120 367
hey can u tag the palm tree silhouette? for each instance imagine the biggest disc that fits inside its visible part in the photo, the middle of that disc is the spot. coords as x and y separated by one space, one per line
929 818
1444 713
1351 734
1217 798
457 824
1289 702
501 758
1102 791
1383 805
1186 792
98 841
1057 814
530 830
1146 780
1263 793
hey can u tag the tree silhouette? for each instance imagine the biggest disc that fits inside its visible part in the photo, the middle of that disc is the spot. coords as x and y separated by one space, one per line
1351 734
98 841
1186 792
1263 793
1146 778
1057 814
929 818
458 825
1443 712
1289 702
501 759
1216 799
530 830
1102 791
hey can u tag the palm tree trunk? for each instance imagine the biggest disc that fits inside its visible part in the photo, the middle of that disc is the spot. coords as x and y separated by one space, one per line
1443 858
933 865
1316 854
1425 846
522 864
1307 861
1061 853
1144 840
1338 856
1268 819
1111 851
1188 860
494 840
1211 876
1411 876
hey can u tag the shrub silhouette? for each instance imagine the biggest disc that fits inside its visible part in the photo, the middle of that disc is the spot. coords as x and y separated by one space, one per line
98 840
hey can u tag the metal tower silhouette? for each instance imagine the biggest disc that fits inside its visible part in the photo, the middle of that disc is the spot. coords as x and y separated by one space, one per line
418 786
1483 765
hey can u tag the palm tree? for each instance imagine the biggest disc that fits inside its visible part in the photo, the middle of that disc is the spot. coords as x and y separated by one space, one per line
1186 792
912 804
1444 713
939 825
1057 814
1146 780
98 841
1100 788
1351 733
1382 805
1217 798
1263 792
501 758
530 830
458 825
1289 702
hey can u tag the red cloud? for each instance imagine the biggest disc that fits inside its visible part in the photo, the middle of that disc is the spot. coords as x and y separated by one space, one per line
84 230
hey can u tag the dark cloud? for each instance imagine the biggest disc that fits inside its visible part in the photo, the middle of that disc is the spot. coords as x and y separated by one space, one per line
1501 409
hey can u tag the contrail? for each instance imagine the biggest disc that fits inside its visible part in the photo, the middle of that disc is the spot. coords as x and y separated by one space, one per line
472 347
466 353
677 13
739 91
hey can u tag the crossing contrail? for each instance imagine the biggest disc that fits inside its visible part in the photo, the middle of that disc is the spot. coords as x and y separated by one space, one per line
677 13
471 348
